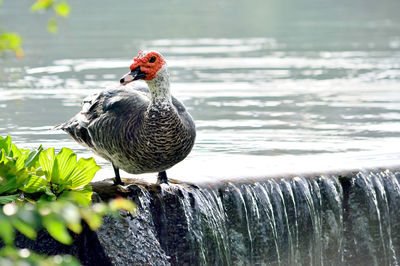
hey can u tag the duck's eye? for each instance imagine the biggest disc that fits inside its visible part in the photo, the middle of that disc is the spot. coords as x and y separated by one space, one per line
152 59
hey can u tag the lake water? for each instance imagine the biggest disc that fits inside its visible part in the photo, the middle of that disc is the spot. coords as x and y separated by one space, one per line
274 88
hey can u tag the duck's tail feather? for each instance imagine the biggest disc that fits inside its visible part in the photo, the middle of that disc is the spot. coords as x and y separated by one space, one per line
59 126
77 131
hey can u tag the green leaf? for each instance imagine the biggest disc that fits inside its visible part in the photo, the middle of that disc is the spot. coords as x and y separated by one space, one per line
121 203
24 228
15 152
11 178
49 195
13 256
7 232
41 5
8 199
71 215
64 260
93 219
8 178
100 208
35 184
46 160
5 144
10 41
52 26
57 229
20 163
29 215
64 164
62 9
86 192
83 172
3 156
82 196
33 157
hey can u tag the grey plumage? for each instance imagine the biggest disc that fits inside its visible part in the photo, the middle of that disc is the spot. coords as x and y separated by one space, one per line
121 126
133 128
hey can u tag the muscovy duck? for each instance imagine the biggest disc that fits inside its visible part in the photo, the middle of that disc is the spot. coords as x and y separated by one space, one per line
139 130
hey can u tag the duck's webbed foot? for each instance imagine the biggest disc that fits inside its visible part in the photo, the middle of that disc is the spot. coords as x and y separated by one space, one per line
117 179
162 178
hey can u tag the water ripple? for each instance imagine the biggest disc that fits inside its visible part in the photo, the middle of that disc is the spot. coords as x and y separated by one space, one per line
254 101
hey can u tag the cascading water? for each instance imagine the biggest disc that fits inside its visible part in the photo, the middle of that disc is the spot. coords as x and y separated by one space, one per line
288 222
349 219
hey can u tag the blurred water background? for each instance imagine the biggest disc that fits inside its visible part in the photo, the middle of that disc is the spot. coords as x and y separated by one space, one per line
274 86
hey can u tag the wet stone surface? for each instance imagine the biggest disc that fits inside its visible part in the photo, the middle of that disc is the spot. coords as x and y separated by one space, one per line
334 219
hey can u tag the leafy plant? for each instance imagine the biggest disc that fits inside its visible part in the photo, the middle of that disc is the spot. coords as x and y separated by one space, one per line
11 41
26 173
60 8
19 171
66 176
58 218
41 189
15 256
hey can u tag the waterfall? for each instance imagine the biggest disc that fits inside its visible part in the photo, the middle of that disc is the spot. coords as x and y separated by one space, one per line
279 222
348 219
351 218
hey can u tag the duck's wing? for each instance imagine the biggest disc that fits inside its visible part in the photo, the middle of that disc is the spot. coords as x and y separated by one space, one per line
103 115
184 115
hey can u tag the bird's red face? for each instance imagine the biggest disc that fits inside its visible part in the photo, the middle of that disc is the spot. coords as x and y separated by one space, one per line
144 67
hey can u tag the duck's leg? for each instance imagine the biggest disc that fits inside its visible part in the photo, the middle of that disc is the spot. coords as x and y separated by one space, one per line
117 180
162 178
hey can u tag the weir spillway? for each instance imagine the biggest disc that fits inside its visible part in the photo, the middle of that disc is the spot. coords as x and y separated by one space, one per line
351 218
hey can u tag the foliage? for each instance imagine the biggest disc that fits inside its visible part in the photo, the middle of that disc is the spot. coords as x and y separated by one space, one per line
39 189
28 174
14 256
60 9
11 41
57 217
19 170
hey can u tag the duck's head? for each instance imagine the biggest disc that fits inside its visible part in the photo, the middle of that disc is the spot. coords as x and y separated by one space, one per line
145 66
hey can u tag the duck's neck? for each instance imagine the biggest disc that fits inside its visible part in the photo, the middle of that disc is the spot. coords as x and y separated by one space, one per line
159 90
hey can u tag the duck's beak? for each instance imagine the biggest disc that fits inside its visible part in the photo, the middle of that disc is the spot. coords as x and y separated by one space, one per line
135 74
